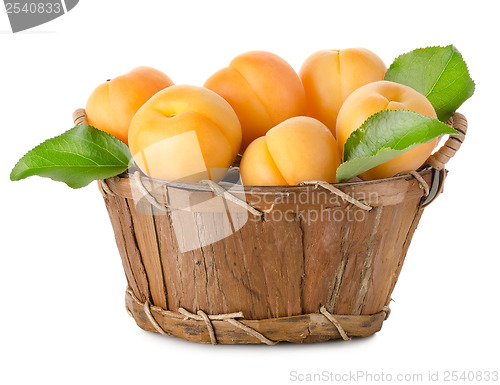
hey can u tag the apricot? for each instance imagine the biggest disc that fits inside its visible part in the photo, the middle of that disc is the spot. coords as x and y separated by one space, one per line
330 76
113 104
375 97
263 90
185 133
296 150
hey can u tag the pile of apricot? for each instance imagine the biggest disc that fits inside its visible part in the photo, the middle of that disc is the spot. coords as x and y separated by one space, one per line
290 127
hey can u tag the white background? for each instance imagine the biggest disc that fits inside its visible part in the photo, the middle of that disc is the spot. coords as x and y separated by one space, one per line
61 281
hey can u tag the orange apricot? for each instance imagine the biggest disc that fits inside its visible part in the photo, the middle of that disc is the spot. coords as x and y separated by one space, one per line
185 133
263 90
296 150
330 76
113 104
375 97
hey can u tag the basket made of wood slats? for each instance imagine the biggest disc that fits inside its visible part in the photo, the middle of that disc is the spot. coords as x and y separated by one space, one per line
275 274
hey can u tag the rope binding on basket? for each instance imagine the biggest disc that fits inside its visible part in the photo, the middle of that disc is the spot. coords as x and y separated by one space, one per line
421 182
156 325
146 194
230 318
103 186
338 192
437 161
329 316
387 310
207 319
216 189
220 191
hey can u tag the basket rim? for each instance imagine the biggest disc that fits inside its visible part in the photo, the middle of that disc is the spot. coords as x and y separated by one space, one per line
435 162
236 187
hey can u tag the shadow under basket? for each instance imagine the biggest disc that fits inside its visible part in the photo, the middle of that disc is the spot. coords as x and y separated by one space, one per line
231 264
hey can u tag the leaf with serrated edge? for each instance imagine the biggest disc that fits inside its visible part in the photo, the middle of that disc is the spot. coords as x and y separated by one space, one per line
76 157
439 73
384 136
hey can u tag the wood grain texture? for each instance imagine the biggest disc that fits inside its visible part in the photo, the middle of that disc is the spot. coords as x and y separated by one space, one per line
308 249
126 241
147 243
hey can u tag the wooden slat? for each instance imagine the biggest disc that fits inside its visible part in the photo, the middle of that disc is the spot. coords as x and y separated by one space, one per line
323 259
147 243
122 223
114 217
389 260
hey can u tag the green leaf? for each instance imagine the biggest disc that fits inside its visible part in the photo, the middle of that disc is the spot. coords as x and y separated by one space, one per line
385 135
77 157
440 73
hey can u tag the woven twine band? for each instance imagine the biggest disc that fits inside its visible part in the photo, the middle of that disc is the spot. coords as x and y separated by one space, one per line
216 189
336 191
231 318
207 319
439 159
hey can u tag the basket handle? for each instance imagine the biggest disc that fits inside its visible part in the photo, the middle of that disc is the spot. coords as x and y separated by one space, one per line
439 159
79 117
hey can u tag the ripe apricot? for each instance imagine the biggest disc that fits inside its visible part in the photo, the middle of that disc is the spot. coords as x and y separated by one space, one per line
185 133
296 150
263 90
375 97
330 76
113 104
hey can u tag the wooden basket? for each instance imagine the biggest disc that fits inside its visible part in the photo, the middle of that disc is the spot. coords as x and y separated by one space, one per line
264 271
